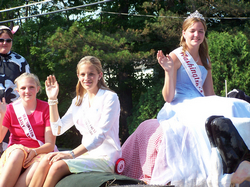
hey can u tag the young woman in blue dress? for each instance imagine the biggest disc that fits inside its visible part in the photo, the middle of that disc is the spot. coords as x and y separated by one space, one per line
185 156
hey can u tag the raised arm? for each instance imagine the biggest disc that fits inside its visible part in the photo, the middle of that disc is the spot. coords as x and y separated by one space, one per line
52 90
169 63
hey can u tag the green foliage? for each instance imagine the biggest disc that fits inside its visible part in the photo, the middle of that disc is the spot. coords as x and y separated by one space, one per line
6 4
163 34
230 56
148 106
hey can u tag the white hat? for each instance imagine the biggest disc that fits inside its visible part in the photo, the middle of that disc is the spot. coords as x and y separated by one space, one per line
14 29
2 27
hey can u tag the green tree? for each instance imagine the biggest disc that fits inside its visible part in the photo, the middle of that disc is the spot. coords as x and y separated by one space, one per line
148 106
230 61
6 4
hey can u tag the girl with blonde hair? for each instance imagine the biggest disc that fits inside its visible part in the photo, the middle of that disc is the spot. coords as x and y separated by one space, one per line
95 113
31 137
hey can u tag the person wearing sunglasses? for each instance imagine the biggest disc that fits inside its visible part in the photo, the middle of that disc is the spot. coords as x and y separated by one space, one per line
12 65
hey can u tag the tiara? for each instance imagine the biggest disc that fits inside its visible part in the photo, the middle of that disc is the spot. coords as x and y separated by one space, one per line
196 14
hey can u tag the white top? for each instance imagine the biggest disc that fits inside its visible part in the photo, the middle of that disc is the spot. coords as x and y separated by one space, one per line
98 124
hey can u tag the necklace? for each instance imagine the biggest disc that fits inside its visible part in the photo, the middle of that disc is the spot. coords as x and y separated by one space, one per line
197 60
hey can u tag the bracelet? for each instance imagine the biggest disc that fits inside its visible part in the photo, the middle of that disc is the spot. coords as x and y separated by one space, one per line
52 102
35 151
72 154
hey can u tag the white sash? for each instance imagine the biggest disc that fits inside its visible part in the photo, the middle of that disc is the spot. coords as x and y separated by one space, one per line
191 68
24 121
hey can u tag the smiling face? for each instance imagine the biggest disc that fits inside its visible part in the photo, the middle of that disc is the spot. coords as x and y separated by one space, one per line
27 89
5 47
194 35
89 77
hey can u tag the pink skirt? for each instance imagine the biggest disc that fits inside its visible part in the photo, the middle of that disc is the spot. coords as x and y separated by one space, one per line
141 149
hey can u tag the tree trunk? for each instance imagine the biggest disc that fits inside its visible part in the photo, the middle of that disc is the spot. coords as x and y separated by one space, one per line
125 97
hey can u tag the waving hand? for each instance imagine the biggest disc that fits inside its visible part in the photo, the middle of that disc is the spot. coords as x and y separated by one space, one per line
166 62
52 87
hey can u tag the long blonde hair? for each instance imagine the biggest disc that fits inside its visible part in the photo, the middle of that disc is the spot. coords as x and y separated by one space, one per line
203 49
80 91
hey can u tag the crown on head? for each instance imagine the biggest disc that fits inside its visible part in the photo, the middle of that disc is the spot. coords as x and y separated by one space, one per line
196 14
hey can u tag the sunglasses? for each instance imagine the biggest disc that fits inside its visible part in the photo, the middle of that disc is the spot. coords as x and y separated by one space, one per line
6 40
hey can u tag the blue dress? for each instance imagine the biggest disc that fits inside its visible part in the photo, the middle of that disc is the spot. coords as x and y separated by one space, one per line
185 157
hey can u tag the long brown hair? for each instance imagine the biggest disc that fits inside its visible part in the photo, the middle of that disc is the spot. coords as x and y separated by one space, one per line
80 91
203 49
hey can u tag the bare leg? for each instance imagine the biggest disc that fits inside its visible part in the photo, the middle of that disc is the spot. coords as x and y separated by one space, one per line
40 173
12 169
26 176
57 171
242 173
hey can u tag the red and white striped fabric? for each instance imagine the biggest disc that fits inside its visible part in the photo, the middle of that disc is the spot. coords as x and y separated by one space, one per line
140 150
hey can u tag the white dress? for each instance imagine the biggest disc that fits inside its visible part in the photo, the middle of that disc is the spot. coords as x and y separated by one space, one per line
99 126
185 156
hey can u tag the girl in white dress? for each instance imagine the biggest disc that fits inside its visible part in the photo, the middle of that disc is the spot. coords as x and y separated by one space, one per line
95 113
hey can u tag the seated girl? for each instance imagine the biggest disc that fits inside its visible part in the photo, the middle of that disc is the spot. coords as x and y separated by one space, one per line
95 112
31 137
185 156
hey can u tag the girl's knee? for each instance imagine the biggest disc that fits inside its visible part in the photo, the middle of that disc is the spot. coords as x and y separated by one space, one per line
17 155
17 152
59 167
44 162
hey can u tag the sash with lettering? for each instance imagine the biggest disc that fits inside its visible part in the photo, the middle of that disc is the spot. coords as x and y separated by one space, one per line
191 68
24 121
